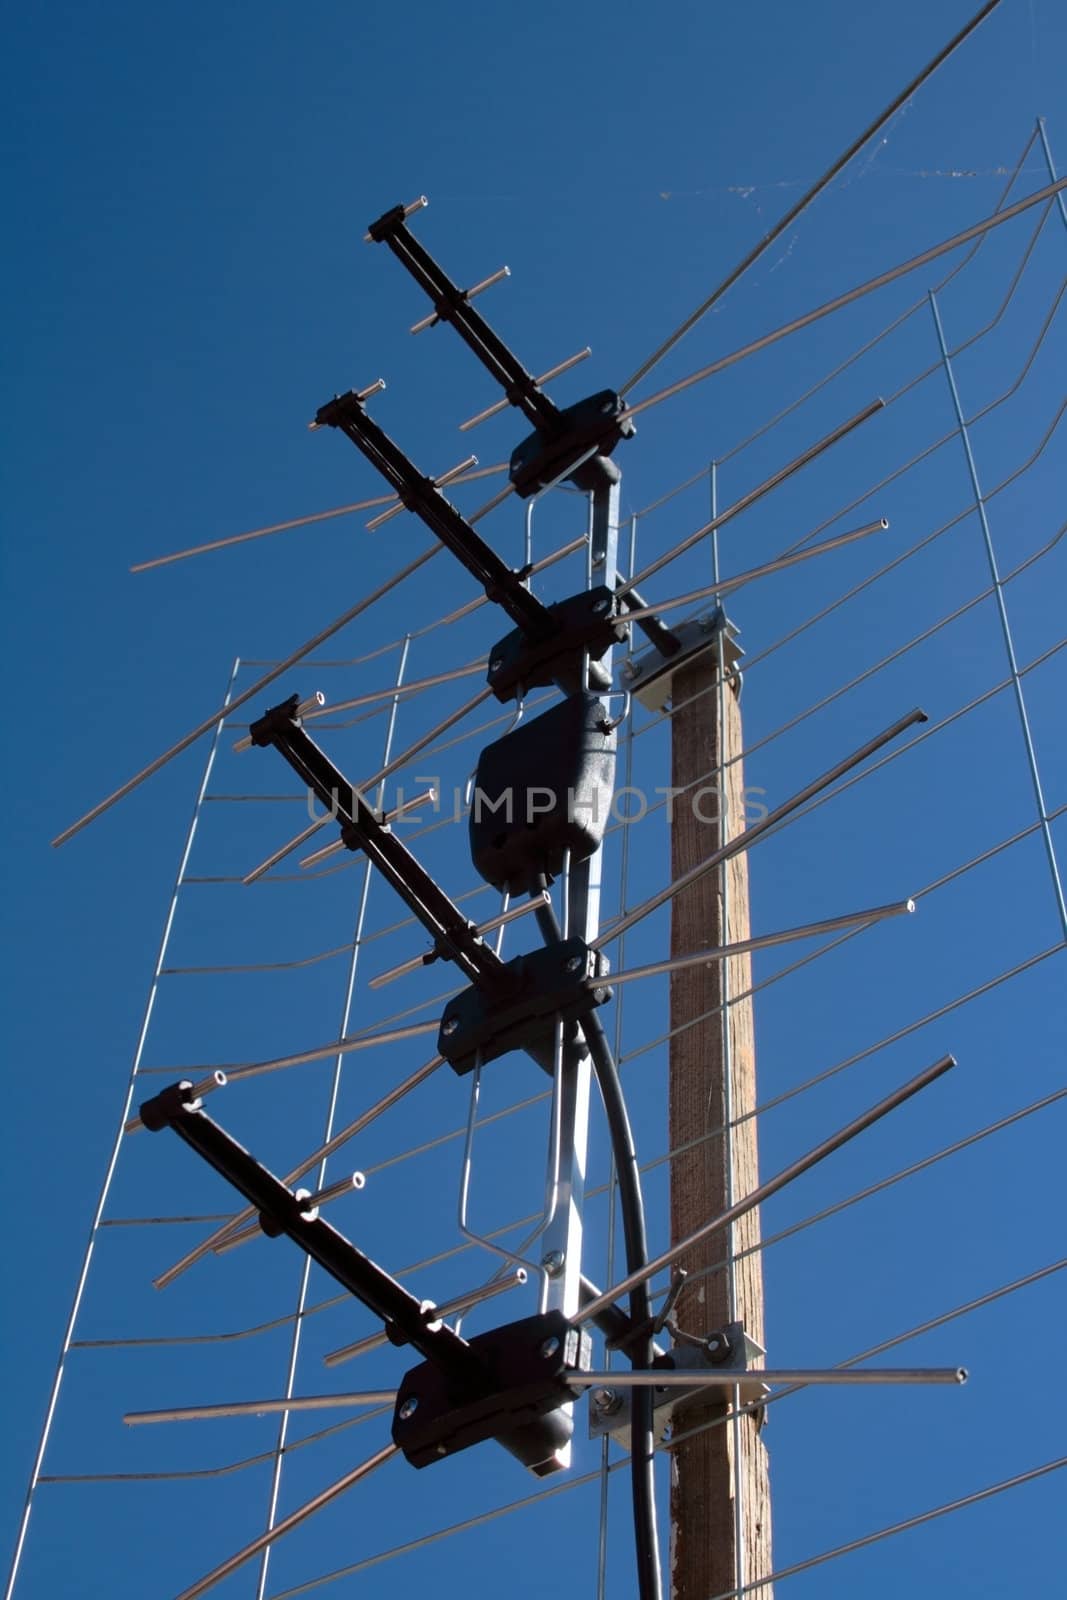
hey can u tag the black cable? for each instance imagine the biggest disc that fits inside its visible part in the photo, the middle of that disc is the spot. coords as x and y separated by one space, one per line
640 1351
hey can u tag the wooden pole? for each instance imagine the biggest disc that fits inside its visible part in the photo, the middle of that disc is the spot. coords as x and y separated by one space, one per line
720 1496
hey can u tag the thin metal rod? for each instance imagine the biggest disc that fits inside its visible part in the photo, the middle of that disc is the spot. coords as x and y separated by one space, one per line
791 467
450 476
883 1184
744 841
470 606
389 768
261 533
546 377
312 706
293 1520
427 797
1005 624
916 1332
897 1527
391 693
433 317
112 1164
327 1148
197 1091
766 570
841 300
731 1377
764 941
459 1302
1047 150
870 344
806 199
772 1186
499 921
351 1183
247 694
867 673
255 1069
255 1408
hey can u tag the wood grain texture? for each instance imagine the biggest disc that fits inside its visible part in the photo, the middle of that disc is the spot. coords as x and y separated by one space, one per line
703 1522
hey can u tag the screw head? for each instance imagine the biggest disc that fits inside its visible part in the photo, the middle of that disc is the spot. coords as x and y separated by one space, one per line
449 1025
572 964
408 1408
629 670
601 604
607 1400
553 1262
550 1348
495 664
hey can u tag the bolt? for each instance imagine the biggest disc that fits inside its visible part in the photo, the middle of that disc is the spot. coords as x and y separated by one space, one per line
601 604
496 663
408 1408
550 1348
572 964
553 1262
629 670
607 1401
449 1025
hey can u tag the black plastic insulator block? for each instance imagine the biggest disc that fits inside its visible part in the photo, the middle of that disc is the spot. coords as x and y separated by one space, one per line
526 1365
559 982
587 621
598 421
541 791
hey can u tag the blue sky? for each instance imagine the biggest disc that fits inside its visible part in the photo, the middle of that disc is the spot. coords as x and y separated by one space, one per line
186 283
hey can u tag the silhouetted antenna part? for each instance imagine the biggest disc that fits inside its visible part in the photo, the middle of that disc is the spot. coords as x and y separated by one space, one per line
560 436
361 395
743 841
282 1212
354 1181
314 702
420 494
850 295
773 1185
453 935
546 377
512 914
403 212
427 797
446 477
196 1092
451 305
806 199
459 1303
384 772
805 457
335 1142
468 295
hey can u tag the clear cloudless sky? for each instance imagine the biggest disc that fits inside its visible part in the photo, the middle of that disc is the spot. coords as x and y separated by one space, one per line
185 282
